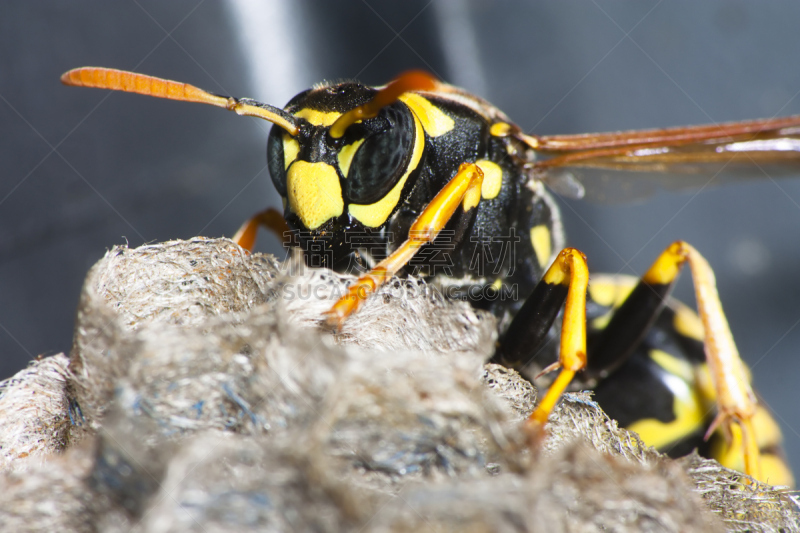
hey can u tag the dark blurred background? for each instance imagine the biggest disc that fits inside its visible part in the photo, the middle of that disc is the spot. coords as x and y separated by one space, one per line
83 170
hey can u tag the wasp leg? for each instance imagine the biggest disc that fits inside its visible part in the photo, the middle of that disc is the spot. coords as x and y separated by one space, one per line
568 270
633 319
736 402
270 218
730 450
463 189
656 392
565 282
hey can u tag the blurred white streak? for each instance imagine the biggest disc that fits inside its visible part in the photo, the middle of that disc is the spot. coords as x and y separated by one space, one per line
270 34
460 45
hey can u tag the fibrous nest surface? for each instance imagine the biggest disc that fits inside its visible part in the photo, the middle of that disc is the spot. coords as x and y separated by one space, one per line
201 394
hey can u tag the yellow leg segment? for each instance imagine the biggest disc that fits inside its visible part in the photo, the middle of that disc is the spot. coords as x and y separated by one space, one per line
736 402
463 189
269 218
570 269
752 459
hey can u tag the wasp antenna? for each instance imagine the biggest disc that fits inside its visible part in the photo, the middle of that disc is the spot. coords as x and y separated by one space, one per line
251 108
121 80
412 80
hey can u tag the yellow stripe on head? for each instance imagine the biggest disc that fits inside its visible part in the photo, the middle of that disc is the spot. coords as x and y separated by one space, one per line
318 118
290 150
434 121
374 215
345 156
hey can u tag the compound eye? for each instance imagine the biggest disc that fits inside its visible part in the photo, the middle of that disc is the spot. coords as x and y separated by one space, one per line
282 150
383 156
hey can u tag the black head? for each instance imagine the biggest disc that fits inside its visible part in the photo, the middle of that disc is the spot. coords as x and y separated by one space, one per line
355 178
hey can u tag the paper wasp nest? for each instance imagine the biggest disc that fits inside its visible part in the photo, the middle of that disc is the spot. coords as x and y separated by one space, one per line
200 394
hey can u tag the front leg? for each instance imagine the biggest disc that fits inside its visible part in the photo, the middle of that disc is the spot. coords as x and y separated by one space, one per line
464 190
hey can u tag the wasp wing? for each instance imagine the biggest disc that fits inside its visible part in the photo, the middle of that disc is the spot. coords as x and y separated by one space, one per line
633 164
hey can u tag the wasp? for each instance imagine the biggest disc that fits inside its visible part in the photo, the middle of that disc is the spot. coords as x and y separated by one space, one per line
387 181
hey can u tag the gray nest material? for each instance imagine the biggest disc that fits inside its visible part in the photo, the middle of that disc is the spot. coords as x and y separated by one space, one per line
208 399
34 419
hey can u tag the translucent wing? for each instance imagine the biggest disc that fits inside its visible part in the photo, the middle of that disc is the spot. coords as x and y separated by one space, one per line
632 164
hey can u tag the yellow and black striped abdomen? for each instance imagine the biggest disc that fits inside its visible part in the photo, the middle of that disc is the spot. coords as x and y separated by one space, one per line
664 392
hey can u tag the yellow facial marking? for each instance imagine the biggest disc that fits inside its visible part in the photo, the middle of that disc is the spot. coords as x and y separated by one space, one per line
433 120
318 118
688 324
542 244
500 129
290 150
315 193
346 154
492 178
373 215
